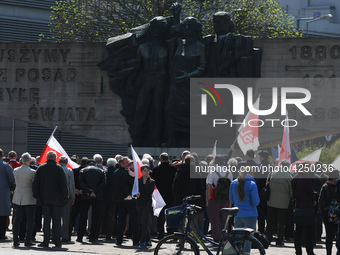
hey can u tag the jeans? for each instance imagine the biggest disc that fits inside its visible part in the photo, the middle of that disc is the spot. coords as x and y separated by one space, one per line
246 222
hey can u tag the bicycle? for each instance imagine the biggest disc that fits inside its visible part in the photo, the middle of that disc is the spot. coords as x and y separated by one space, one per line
231 243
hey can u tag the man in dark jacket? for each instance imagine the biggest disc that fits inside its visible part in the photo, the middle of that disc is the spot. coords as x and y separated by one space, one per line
123 183
250 154
107 220
305 202
92 181
50 189
75 210
184 186
261 179
164 175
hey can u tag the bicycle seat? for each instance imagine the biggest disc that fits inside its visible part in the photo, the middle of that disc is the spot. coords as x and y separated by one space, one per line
230 211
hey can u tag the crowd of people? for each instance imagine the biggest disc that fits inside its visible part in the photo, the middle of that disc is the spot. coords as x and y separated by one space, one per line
95 199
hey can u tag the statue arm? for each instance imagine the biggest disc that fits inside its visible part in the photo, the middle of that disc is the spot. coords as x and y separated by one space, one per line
176 9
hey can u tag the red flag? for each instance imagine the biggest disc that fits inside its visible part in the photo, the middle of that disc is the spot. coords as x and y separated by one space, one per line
157 200
53 145
248 137
285 145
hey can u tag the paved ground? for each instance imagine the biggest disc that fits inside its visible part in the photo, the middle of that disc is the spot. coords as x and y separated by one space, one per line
103 247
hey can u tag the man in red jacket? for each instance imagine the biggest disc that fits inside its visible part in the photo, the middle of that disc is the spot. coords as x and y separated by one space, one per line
12 156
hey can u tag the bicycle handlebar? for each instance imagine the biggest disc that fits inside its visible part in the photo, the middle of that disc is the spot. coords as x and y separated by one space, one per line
193 197
196 208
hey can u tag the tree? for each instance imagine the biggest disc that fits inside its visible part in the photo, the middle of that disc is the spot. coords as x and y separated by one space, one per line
97 20
328 154
258 18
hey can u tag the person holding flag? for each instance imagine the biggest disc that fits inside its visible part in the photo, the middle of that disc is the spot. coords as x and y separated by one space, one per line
157 200
144 205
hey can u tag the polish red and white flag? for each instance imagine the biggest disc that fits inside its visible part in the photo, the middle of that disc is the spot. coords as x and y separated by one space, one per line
214 152
53 145
313 158
157 200
285 145
248 137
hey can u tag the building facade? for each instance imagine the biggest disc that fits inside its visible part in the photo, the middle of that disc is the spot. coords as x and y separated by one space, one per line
313 9
25 21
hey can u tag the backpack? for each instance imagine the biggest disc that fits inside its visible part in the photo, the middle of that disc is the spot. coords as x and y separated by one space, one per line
221 192
334 212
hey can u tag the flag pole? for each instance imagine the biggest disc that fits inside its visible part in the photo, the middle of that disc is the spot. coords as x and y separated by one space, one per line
54 130
235 140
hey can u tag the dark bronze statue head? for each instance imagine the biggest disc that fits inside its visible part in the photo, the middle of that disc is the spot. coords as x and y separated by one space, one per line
191 27
222 23
158 26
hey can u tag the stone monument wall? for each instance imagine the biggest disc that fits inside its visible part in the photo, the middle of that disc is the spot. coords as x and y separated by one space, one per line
53 84
317 60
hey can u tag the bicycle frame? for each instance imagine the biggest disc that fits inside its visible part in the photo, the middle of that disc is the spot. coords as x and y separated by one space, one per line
199 236
197 232
196 236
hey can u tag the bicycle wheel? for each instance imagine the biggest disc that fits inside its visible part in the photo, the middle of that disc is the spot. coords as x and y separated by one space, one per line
229 250
171 244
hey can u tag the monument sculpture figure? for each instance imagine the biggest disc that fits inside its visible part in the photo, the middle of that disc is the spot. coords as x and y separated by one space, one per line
230 55
150 69
153 56
189 61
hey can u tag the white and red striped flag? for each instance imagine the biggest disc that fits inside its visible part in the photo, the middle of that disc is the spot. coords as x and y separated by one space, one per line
137 163
336 163
157 199
248 137
53 145
285 145
214 152
313 157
